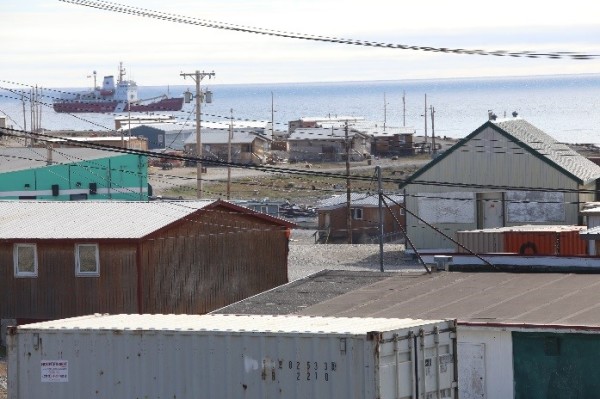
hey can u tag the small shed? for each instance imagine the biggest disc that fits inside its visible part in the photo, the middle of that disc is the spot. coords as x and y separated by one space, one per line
390 141
246 147
162 135
364 207
64 259
327 145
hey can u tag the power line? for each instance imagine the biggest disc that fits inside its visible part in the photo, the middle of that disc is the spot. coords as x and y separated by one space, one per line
143 12
290 171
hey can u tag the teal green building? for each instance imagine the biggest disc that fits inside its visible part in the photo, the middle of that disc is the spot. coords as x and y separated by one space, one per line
72 174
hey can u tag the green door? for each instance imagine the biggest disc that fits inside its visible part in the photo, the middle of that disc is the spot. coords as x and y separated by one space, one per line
549 365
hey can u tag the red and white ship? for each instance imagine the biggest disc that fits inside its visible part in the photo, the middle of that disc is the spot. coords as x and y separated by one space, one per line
110 98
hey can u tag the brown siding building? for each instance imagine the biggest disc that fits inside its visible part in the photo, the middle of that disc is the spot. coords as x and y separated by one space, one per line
333 216
63 259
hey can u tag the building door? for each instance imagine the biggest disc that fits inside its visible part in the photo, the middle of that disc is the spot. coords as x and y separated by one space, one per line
490 210
555 366
471 371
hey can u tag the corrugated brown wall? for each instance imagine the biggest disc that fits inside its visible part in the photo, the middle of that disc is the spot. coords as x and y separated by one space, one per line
57 293
216 259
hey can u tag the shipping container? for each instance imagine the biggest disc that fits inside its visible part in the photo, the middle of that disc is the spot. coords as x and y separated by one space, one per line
485 241
232 357
555 240
545 240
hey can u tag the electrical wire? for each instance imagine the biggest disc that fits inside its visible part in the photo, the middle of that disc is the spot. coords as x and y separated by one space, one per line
147 13
300 172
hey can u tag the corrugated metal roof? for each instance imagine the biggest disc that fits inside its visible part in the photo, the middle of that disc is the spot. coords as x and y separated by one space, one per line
14 158
591 208
222 137
534 141
319 133
528 228
356 199
341 118
167 127
594 231
228 323
86 139
378 130
89 219
558 153
497 298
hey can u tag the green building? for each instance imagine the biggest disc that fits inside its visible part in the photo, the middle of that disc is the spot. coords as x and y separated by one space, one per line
69 174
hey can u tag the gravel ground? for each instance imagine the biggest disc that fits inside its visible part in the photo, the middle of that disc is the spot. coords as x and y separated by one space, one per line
3 379
307 258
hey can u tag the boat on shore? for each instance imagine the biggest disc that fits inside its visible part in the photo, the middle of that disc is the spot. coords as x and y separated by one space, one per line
122 97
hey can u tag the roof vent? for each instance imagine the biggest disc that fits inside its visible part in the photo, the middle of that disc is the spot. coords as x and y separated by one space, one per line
515 114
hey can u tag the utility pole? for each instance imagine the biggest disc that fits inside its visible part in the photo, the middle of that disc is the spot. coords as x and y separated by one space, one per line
348 191
197 77
272 118
24 119
404 108
425 115
380 192
433 150
384 111
32 120
229 155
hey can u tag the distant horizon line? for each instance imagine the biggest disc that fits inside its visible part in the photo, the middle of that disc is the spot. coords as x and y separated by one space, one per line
589 74
412 80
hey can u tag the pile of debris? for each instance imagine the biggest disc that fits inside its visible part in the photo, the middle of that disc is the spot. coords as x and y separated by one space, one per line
288 210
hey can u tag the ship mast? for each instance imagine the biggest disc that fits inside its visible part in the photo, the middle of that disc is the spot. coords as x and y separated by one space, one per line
121 72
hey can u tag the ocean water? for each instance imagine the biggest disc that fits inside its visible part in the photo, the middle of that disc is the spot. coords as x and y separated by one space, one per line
565 106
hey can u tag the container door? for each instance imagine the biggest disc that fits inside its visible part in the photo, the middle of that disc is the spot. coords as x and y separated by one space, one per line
436 365
490 210
471 373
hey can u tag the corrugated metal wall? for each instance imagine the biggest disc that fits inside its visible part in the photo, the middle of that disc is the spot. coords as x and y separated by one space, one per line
487 159
57 293
123 177
198 265
563 242
216 259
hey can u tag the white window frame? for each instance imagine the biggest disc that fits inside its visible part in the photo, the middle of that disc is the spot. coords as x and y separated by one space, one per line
357 213
78 271
16 260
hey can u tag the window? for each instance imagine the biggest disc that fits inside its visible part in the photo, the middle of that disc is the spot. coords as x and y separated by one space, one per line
78 197
25 260
357 213
87 262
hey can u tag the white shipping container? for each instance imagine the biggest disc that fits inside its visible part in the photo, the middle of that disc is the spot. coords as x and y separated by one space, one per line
232 357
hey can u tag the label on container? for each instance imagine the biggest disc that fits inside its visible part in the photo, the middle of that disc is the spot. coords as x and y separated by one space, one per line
55 370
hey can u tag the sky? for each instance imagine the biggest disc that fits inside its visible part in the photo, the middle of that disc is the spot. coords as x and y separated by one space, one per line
52 43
